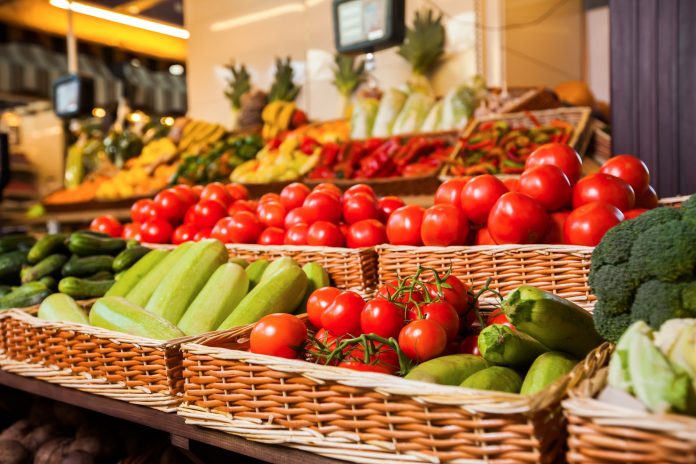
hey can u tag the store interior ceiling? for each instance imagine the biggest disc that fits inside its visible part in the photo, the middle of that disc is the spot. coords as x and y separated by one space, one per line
168 11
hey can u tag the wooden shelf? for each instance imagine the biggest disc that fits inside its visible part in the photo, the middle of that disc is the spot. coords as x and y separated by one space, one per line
181 433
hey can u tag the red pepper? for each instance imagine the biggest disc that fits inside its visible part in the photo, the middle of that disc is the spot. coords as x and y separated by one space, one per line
533 118
329 154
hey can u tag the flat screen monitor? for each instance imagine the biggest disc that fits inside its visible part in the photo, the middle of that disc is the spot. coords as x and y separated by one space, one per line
362 26
73 96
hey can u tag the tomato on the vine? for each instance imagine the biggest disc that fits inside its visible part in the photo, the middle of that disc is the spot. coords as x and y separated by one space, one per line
470 345
587 225
422 340
605 188
546 184
156 230
318 301
293 195
387 205
107 224
404 225
560 155
324 233
389 290
499 317
439 311
382 317
479 195
280 334
366 233
454 292
444 225
362 367
517 218
342 317
384 359
358 207
272 236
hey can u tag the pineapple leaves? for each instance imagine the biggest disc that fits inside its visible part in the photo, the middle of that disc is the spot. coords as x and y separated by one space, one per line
237 85
283 87
349 73
424 43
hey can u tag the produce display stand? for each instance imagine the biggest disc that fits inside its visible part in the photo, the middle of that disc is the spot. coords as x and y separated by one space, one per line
602 432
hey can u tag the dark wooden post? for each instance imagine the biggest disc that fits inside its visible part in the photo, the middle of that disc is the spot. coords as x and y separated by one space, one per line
653 88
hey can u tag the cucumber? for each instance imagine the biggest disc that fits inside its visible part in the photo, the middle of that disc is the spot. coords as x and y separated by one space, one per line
11 263
497 378
317 277
241 261
448 370
255 271
89 265
87 244
545 370
281 294
14 242
61 307
101 275
47 266
126 280
47 245
499 344
49 282
117 313
4 290
186 279
216 300
143 289
129 257
84 288
553 321
29 294
277 266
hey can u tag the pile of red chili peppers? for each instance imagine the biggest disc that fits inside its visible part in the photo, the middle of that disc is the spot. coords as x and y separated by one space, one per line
372 158
496 147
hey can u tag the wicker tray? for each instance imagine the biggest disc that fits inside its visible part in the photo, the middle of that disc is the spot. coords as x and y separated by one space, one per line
401 186
134 369
605 433
367 417
560 269
674 202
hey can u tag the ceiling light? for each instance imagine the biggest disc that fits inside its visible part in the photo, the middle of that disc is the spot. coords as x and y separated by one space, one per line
98 112
167 121
176 70
258 16
121 18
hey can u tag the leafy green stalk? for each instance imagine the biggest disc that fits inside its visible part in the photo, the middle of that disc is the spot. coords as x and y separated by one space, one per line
237 85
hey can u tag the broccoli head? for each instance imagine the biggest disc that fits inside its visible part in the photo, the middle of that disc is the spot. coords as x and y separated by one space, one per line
610 326
615 286
666 252
688 209
657 302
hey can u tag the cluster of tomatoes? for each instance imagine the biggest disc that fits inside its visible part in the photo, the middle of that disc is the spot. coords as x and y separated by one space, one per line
549 203
408 321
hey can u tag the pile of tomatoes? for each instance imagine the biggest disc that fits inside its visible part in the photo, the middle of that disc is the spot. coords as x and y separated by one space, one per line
408 321
549 203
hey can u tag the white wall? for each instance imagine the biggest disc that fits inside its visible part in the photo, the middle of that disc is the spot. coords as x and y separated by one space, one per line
307 36
597 37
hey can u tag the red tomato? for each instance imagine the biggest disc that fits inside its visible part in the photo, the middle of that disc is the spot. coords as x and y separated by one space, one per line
108 225
271 213
512 184
360 188
186 194
404 225
634 213
483 237
272 236
367 233
560 155
479 195
131 231
470 345
554 231
201 234
292 196
329 188
498 317
630 169
450 191
362 367
444 225
266 197
170 206
216 192
454 292
647 199
156 230
206 213
344 228
184 233
242 205
547 185
221 231
237 191
318 301
605 188
388 205
324 233
384 360
388 291
358 207
244 228
422 340
441 312
517 218
342 317
190 216
278 335
587 225
323 343
320 206
296 235
142 210
197 190
297 216
382 317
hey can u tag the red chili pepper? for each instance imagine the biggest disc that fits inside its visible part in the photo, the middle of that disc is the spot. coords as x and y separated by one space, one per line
533 118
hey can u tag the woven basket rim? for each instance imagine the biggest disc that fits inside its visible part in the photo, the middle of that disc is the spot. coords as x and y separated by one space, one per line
677 199
485 248
271 248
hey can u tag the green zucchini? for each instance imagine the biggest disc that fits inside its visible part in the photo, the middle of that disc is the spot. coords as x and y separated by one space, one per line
129 257
84 288
88 244
188 276
241 261
126 280
47 245
545 370
28 294
499 344
277 266
102 275
47 266
255 271
447 370
61 307
14 242
142 291
88 265
117 313
50 282
317 277
11 263
497 378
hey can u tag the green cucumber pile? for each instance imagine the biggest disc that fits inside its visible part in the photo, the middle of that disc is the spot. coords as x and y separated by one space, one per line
190 290
83 265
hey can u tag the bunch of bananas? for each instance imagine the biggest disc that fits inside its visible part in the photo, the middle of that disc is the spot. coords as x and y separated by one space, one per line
276 116
282 163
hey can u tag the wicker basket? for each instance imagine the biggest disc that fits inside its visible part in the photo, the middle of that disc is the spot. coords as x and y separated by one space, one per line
401 186
674 202
600 142
529 99
367 417
128 368
603 433
560 269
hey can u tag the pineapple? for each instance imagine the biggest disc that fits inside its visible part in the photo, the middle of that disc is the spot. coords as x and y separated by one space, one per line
237 86
423 47
283 87
348 75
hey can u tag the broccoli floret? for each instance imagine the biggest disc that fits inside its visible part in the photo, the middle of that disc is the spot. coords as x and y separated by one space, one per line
615 286
610 326
689 298
666 252
657 302
688 209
